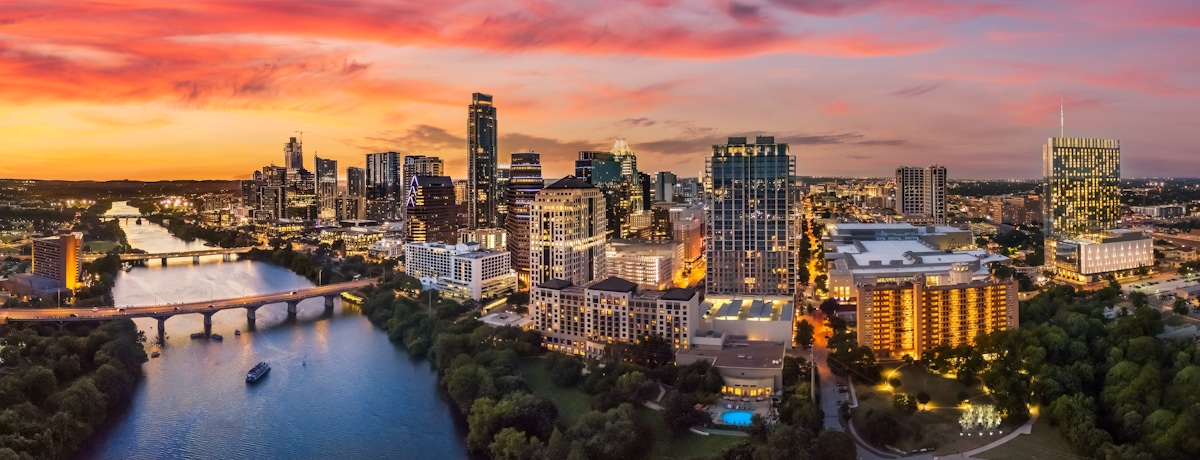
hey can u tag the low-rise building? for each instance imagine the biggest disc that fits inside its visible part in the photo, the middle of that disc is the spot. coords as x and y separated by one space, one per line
1090 258
754 318
582 320
356 240
461 271
750 368
386 248
487 238
1159 212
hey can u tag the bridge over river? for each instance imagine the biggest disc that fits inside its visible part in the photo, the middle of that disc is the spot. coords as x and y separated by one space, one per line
252 303
195 255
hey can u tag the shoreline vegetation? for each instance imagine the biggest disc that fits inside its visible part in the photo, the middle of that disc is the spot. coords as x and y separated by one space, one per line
60 386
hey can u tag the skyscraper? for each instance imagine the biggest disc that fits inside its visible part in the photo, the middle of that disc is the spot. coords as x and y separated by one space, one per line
300 195
567 227
503 177
602 170
356 181
430 210
664 186
417 165
383 185
629 173
481 161
750 195
921 194
293 154
326 185
525 184
1083 185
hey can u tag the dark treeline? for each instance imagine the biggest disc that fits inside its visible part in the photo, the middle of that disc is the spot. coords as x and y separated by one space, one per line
117 189
59 386
982 188
320 263
183 230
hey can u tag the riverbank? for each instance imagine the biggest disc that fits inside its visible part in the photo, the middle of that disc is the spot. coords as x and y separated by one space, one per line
60 386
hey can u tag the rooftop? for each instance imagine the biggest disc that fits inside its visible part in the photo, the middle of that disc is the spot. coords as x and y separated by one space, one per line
679 294
555 284
570 182
746 354
614 284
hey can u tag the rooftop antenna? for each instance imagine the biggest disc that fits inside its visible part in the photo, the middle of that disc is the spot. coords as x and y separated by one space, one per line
1062 126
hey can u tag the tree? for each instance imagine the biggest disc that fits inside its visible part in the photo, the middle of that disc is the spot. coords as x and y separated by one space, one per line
829 307
1139 299
923 398
804 332
821 281
894 382
836 445
510 444
905 404
1180 307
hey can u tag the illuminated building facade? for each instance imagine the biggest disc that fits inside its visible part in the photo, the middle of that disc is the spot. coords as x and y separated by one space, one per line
383 185
413 166
751 200
1083 185
300 195
604 171
898 319
523 187
430 210
566 233
327 186
921 194
58 258
461 271
653 266
486 238
1088 258
582 320
482 162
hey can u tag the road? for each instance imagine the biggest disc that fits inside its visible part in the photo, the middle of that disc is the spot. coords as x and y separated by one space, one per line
86 314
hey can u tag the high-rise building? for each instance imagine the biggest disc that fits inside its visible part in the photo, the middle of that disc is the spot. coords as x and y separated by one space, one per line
481 161
326 185
525 184
58 258
293 154
751 196
300 195
417 165
567 227
603 170
430 210
1083 185
921 194
356 181
664 186
383 185
645 192
632 179
503 176
897 319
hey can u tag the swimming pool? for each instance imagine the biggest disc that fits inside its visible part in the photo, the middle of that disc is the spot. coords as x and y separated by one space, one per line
737 417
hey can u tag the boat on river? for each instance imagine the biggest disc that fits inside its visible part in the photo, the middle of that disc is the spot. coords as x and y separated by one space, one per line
258 372
216 337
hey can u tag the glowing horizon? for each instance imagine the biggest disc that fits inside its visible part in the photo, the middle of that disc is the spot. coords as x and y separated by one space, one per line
211 90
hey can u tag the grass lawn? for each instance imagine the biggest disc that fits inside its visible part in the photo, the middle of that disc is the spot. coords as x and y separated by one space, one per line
571 402
688 446
1043 442
937 425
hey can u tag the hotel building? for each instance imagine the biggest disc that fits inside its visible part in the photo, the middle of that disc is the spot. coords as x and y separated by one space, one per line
58 258
461 271
582 320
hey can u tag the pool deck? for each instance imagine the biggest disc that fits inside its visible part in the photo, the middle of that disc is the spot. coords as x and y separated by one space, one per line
762 408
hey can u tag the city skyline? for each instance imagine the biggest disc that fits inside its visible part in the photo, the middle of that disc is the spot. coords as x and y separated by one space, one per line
851 85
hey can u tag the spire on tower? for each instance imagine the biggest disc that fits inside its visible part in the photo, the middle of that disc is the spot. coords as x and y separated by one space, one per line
1062 126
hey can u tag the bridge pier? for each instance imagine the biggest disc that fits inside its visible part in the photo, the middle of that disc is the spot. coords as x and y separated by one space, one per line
329 304
251 315
207 324
292 307
195 260
162 330
164 261
226 257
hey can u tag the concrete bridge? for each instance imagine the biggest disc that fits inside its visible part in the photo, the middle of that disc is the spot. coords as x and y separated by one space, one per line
121 216
61 316
195 255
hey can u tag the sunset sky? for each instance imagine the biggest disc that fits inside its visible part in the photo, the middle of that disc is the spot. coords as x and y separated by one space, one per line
212 89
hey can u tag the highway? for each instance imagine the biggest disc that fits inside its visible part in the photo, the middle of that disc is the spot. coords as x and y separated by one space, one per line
157 311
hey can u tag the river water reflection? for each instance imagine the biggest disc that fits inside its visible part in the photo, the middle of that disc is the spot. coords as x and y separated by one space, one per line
337 388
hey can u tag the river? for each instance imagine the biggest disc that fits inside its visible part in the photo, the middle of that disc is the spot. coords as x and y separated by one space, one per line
338 388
